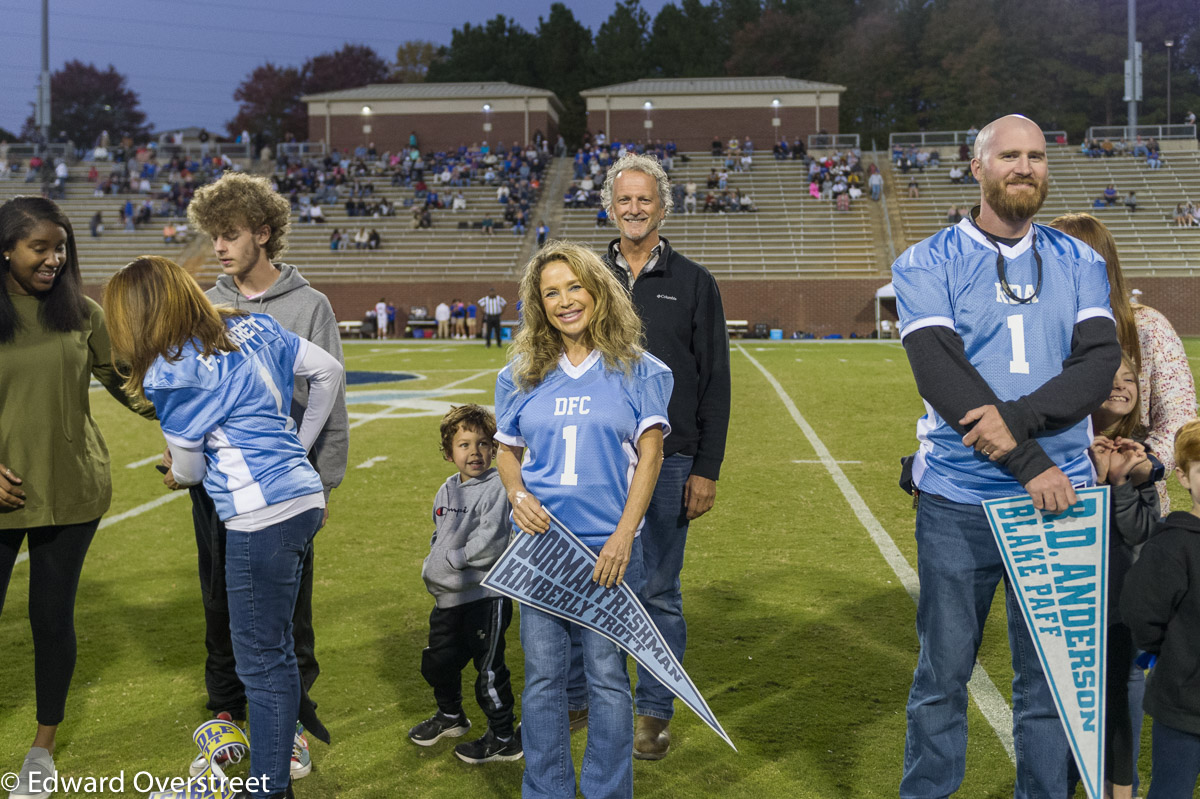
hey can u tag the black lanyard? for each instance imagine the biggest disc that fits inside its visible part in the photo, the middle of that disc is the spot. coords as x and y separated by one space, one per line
1002 272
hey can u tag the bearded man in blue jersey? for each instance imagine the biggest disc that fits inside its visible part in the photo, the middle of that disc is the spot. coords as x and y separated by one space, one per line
1012 344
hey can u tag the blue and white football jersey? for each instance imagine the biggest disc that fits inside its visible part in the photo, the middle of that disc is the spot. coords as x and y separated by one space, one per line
237 404
580 428
950 280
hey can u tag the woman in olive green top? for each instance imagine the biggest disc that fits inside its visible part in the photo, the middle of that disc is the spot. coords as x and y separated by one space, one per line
54 480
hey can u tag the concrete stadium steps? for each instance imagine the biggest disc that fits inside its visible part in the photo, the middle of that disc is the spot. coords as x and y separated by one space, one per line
1147 240
791 234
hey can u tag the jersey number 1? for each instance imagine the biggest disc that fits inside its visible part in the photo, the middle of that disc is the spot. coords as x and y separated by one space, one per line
568 476
1016 330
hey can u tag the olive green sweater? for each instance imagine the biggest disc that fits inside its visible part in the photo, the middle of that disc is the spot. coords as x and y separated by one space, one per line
47 435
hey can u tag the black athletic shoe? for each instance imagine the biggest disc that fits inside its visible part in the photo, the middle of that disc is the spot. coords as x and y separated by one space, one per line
437 727
490 749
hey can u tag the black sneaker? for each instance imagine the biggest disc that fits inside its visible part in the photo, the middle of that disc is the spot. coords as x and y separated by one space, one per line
490 749
437 727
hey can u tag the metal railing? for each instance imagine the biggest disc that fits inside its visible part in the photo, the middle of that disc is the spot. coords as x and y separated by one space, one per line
23 151
832 141
1159 132
954 138
301 149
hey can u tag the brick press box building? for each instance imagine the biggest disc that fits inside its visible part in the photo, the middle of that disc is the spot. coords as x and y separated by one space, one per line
694 111
443 115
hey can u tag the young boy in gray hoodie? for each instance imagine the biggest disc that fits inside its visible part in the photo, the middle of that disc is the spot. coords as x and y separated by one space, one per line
468 622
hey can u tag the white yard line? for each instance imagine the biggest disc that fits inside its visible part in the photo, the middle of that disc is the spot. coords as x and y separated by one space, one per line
144 462
129 514
369 462
389 412
987 697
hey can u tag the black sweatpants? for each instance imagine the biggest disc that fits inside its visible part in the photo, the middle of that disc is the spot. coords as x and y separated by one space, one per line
491 323
225 690
56 555
471 632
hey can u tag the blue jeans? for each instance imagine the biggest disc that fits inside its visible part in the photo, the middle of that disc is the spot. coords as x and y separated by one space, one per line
262 575
959 567
1175 757
664 536
607 771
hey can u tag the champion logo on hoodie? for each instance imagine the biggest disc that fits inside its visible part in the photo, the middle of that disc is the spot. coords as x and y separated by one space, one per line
443 510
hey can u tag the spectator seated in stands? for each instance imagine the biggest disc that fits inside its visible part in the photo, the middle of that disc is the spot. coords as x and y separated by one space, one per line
897 154
169 232
814 189
1154 159
914 190
1109 197
1131 201
1107 149
722 180
459 203
373 240
747 203
953 215
602 218
855 193
1139 148
689 197
360 239
843 201
922 160
486 225
956 173
335 240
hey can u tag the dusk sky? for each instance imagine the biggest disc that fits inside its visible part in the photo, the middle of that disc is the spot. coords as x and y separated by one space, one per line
184 58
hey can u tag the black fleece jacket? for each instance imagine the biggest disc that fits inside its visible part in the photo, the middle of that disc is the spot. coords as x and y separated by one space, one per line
1161 604
681 307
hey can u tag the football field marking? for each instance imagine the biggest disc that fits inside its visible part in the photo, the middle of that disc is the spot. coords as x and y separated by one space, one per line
144 462
369 462
983 690
392 412
120 517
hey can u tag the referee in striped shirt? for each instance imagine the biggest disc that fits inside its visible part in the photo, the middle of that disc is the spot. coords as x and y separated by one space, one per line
491 305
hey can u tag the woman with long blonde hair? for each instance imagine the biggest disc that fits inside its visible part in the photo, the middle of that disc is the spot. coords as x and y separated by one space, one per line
1166 387
221 382
590 405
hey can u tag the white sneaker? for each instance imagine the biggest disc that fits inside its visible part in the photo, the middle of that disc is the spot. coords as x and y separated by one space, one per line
301 759
37 775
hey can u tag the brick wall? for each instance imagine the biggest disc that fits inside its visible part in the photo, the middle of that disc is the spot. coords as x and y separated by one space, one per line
819 306
434 131
693 129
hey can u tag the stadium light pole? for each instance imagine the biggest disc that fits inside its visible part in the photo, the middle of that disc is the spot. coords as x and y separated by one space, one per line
43 104
775 122
487 117
366 116
649 123
1170 43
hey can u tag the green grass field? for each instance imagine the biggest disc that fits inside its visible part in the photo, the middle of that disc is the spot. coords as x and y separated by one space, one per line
801 636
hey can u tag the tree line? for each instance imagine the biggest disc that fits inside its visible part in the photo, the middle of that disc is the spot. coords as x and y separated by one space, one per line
906 64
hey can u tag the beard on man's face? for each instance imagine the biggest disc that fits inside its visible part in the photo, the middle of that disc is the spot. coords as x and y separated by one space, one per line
1014 207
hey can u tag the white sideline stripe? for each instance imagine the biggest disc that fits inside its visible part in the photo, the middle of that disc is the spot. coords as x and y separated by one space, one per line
144 462
389 411
120 517
822 462
369 462
140 509
983 690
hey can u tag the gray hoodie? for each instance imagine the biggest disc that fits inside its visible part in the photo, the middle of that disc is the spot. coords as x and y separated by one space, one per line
470 533
300 308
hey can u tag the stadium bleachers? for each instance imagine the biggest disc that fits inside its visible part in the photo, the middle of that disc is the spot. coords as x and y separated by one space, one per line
99 257
791 234
1149 243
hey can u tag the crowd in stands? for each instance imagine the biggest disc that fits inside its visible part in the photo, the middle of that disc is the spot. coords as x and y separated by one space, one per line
906 159
349 180
1146 149
1187 214
593 158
